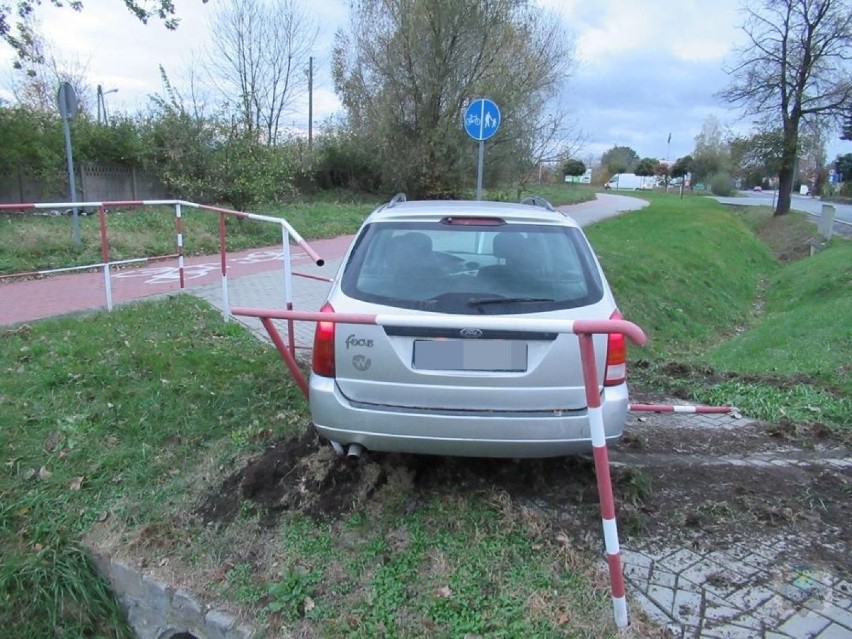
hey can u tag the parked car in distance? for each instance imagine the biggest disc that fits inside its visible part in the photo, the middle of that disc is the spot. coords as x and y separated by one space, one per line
476 391
758 189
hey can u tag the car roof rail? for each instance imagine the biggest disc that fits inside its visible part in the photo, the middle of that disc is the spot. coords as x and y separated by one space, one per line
396 199
537 200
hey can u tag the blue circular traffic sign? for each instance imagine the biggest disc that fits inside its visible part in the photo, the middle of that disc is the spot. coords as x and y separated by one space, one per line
482 119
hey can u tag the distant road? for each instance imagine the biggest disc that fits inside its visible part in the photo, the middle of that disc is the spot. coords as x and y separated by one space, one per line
803 203
603 207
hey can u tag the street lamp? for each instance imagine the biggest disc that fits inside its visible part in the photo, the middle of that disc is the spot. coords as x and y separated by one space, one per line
102 103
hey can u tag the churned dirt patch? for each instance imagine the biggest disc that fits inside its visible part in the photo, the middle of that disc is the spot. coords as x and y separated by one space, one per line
668 482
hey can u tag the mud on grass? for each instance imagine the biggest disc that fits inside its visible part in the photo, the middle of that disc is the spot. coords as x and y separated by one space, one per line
667 481
304 475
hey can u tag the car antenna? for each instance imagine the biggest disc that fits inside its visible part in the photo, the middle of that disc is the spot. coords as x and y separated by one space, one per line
537 200
399 197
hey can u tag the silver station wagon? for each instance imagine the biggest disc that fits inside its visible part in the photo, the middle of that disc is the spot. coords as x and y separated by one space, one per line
470 391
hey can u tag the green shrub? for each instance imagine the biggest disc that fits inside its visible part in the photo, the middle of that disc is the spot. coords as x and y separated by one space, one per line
721 184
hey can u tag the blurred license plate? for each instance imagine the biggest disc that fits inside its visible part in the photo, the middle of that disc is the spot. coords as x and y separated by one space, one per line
470 355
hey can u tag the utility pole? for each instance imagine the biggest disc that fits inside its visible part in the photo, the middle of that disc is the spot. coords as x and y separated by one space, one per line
102 110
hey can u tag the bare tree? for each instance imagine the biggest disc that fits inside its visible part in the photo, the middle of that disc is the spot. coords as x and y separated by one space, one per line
39 71
406 70
795 68
258 61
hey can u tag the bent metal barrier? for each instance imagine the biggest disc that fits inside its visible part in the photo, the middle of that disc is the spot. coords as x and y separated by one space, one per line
583 329
287 232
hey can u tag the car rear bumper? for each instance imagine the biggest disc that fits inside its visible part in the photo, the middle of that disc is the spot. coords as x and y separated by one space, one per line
481 434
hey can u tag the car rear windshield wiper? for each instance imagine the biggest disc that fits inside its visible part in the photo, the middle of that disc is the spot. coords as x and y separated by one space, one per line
508 300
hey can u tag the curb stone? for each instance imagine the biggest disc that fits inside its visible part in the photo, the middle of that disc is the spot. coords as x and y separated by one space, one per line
156 610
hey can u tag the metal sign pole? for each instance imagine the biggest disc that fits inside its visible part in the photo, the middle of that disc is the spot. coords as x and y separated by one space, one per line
66 100
479 170
75 222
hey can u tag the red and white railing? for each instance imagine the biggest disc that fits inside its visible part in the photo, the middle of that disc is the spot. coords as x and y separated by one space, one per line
287 233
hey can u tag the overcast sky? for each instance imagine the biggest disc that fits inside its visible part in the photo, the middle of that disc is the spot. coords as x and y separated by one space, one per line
645 69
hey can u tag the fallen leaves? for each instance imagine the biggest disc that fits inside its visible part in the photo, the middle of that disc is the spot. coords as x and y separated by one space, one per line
444 592
76 483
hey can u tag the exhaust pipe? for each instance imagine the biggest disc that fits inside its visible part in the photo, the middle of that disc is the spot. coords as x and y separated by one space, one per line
338 449
354 451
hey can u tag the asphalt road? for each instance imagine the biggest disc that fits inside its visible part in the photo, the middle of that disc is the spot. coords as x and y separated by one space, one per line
804 203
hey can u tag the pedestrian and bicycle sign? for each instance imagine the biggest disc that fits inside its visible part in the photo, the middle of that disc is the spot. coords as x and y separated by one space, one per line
482 119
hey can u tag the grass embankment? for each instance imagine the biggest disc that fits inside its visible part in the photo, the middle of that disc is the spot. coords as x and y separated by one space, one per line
766 336
31 242
100 408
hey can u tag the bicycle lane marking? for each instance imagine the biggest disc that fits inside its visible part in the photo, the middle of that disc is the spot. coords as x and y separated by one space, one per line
168 274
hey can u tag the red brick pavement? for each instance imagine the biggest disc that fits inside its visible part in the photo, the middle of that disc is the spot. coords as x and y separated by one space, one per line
25 301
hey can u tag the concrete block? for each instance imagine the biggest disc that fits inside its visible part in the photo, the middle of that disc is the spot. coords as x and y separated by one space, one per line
654 612
219 624
663 578
663 597
775 610
637 575
681 560
243 631
698 574
834 613
730 631
716 614
184 606
750 597
145 623
835 632
686 608
157 594
125 580
635 558
804 626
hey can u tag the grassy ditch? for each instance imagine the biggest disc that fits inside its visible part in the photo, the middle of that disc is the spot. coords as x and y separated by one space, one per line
686 270
803 342
735 312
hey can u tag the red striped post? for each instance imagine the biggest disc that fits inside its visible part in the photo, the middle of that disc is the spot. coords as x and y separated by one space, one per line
604 480
288 357
288 287
179 233
104 243
223 258
105 256
665 408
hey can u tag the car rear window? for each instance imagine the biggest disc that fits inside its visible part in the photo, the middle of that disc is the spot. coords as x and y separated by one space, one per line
464 269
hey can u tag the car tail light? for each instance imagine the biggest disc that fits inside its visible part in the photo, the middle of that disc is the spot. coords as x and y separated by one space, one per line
616 356
323 361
